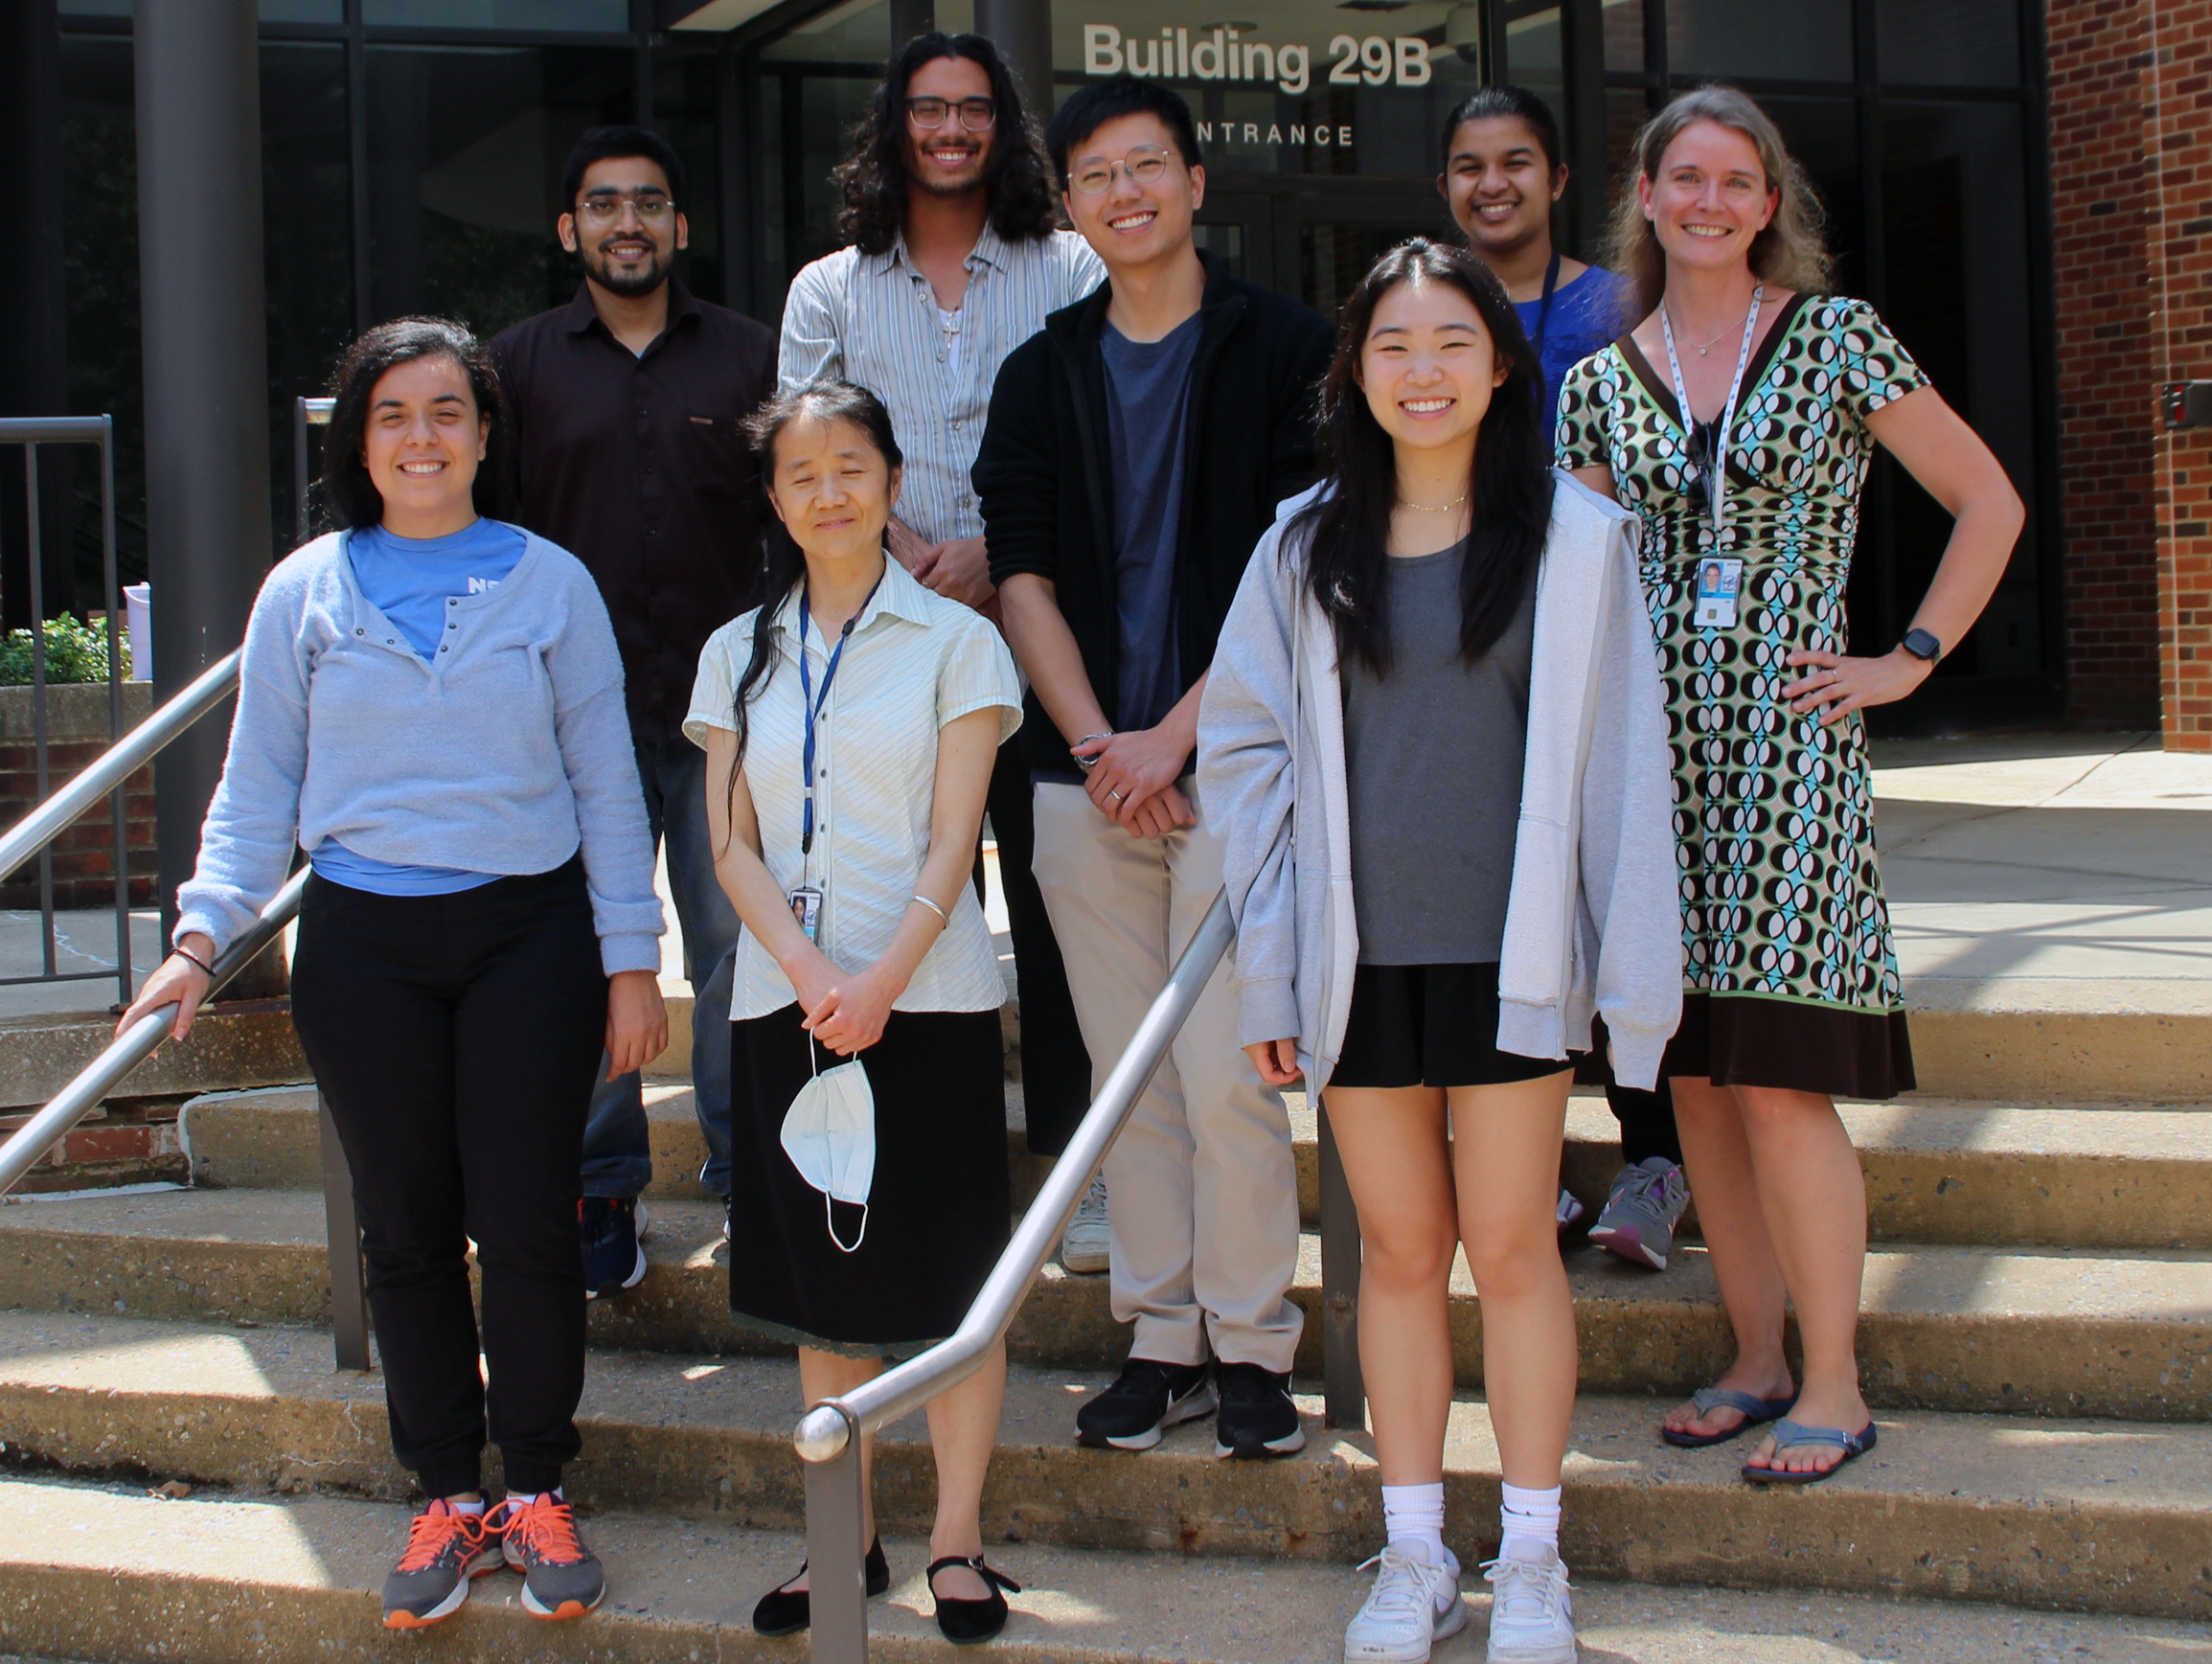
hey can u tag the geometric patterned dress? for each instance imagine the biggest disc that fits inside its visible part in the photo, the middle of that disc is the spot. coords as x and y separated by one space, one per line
1790 972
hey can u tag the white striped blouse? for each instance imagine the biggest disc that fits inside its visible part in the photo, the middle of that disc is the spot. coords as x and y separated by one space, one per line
873 319
914 663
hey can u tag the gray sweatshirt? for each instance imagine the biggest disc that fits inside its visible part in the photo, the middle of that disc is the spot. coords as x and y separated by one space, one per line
1594 924
507 753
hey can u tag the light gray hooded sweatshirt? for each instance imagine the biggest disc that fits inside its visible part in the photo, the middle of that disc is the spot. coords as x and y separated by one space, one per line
1592 924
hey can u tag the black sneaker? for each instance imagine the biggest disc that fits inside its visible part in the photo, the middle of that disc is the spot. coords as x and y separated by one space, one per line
614 1231
1257 1418
1145 1398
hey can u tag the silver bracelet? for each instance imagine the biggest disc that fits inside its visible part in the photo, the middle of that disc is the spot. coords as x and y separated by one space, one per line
945 919
1088 764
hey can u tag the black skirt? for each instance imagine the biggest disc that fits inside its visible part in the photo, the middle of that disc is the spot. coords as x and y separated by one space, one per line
937 1208
1429 1025
1741 1039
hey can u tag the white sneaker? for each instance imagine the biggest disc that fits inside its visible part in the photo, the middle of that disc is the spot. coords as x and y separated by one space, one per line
1085 1246
1532 1610
1413 1604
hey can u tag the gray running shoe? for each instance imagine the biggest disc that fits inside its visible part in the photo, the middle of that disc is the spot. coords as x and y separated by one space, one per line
561 1577
1086 1246
446 1549
1641 1213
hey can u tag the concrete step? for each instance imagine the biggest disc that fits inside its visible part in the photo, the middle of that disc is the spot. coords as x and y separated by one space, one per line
246 1043
225 1579
1936 1170
2050 1331
2080 1515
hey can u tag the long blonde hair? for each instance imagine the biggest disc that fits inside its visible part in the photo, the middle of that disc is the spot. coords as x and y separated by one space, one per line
1791 253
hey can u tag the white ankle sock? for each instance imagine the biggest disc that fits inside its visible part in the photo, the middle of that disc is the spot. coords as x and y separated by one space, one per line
1414 1514
473 1509
524 1498
1530 1518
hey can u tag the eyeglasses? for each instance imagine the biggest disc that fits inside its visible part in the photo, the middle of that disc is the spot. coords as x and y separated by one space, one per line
652 208
1143 167
976 115
1700 483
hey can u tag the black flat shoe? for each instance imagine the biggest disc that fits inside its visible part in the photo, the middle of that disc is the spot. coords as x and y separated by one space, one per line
786 1611
967 1621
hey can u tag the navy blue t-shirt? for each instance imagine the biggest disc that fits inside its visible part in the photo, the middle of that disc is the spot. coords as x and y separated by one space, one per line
1148 386
1585 315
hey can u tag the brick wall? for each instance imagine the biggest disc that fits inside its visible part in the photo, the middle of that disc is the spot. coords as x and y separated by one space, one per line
2182 232
2131 206
76 728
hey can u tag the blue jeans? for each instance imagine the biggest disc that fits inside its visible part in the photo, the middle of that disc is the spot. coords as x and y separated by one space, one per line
617 1149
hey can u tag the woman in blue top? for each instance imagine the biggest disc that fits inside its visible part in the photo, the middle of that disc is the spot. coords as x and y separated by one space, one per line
430 705
1502 175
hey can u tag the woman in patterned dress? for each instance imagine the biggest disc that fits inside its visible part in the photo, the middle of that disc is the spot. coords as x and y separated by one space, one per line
1792 993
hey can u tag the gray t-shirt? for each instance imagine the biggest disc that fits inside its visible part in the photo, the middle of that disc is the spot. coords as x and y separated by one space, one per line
1433 753
1148 386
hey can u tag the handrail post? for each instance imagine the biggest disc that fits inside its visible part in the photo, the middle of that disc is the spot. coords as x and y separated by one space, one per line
1344 1388
837 1574
342 1229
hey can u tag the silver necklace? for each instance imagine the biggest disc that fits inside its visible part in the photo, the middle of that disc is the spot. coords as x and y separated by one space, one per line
1704 347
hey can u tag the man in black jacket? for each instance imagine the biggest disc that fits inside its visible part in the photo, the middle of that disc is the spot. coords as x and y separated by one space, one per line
1136 449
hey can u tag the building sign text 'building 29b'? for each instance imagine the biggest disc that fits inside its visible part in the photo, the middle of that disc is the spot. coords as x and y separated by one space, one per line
1221 54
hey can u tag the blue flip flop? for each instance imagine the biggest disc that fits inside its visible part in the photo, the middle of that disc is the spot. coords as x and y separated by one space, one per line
1788 1435
1757 1412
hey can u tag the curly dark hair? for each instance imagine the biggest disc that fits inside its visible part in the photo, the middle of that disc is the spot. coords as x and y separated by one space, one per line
872 180
350 497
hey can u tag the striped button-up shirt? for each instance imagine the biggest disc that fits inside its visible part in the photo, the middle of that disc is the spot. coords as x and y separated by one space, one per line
873 319
915 662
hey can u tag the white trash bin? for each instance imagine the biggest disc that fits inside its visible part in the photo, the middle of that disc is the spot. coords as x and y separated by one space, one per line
138 612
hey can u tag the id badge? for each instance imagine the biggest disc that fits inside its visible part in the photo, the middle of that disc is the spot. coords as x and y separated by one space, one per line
1720 582
807 908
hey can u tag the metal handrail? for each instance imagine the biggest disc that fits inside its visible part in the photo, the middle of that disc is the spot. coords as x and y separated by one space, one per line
27 1146
827 1437
117 764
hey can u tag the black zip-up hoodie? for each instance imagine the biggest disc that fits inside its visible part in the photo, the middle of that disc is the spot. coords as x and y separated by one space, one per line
1044 475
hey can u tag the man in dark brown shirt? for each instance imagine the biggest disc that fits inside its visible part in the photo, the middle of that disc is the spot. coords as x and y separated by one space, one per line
624 410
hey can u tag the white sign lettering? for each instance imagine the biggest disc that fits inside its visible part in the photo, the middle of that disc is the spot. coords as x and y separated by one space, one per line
1221 54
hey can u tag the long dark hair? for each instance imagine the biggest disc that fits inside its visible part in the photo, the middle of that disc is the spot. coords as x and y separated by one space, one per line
1346 532
873 178
348 493
783 563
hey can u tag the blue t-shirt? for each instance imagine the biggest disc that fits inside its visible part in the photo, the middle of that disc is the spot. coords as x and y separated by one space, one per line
1585 315
1147 387
409 581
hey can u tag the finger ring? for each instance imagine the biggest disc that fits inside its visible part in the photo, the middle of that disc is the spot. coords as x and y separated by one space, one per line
1115 795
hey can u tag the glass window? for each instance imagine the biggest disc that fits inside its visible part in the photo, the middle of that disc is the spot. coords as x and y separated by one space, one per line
1624 26
586 16
1761 39
306 241
303 11
1955 235
464 151
685 90
856 33
1959 43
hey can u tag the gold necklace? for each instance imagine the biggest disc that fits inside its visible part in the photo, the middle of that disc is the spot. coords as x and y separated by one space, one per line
1437 509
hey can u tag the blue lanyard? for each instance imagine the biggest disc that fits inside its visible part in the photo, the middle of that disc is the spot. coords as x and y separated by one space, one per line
1551 280
813 706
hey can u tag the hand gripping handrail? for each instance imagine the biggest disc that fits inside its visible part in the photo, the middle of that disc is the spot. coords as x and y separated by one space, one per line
827 1437
117 764
23 1150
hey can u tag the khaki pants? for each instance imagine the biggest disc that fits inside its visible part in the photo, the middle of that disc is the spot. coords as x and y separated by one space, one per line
1201 1188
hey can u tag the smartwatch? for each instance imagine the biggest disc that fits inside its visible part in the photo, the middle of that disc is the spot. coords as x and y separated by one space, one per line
1921 646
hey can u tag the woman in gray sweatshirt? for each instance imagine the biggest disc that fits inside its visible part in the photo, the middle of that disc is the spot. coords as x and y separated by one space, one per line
1434 738
430 706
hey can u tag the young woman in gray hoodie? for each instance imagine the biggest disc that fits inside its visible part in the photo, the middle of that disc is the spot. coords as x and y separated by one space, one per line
1435 736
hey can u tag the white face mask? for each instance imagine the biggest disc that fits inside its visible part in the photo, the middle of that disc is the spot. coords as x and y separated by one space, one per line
829 1134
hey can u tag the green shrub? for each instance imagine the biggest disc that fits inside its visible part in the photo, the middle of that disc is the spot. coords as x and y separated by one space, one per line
74 653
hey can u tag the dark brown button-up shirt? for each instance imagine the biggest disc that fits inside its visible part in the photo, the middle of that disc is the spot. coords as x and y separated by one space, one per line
636 464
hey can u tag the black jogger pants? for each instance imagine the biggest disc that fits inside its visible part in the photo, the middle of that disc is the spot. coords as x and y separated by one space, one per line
456 1038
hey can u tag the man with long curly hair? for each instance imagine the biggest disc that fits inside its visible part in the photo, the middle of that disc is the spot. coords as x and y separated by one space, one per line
954 259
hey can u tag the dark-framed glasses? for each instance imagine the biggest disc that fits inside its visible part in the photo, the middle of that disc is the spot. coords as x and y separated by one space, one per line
1144 166
651 206
1700 483
976 115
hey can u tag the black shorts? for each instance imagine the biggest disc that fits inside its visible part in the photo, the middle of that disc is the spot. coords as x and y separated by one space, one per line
1429 1025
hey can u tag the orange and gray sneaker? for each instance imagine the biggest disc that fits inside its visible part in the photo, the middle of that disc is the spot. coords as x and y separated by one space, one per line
446 1549
561 1577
